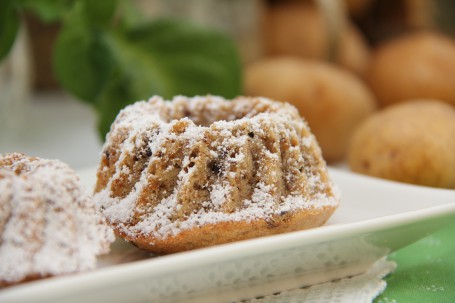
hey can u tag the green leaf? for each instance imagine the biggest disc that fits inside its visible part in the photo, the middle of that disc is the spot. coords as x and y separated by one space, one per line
130 15
168 58
100 12
81 61
112 68
115 97
181 58
9 25
49 10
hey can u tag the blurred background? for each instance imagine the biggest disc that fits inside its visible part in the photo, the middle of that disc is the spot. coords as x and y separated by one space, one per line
338 62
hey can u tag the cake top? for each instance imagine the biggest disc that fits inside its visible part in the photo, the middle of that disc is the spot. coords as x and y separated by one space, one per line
210 128
48 222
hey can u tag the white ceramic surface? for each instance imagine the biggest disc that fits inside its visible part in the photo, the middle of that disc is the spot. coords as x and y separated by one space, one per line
375 218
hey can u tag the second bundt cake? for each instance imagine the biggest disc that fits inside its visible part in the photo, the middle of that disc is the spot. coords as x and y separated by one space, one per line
194 172
49 225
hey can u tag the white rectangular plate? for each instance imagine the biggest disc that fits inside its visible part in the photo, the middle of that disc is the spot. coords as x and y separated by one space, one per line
375 218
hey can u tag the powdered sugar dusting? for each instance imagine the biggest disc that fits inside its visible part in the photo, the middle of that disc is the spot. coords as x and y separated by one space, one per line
234 125
52 227
262 206
219 194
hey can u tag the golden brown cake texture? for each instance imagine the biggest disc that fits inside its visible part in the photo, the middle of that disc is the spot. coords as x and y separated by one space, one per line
195 172
48 223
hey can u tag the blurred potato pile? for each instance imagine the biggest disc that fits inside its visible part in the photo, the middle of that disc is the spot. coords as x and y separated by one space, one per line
332 100
416 65
299 28
412 142
382 103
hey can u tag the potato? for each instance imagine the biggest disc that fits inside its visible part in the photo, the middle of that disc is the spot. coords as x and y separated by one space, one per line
357 7
332 100
416 66
412 142
299 29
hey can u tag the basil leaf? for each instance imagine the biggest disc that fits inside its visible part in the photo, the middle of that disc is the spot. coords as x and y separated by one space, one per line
100 12
116 95
130 15
168 58
9 25
111 68
48 10
81 61
180 58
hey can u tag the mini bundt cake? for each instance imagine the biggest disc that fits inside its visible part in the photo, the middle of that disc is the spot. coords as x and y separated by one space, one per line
195 172
48 223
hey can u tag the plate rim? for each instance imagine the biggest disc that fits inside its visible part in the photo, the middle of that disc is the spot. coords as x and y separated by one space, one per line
231 251
205 256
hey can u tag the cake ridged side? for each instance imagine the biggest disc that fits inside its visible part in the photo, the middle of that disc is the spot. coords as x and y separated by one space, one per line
170 167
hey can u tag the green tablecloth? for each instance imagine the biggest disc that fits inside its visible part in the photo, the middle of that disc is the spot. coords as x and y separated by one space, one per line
425 271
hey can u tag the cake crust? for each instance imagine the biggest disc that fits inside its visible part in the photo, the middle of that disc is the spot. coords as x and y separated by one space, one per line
231 231
195 172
